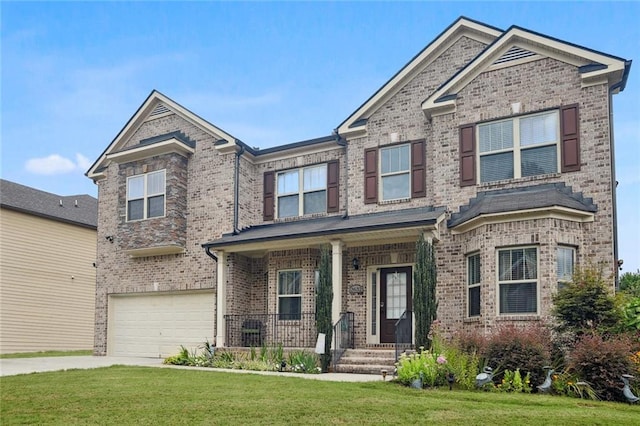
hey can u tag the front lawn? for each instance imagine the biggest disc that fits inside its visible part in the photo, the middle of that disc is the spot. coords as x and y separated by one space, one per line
139 395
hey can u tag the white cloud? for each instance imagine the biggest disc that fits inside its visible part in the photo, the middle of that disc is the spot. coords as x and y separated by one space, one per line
56 164
83 162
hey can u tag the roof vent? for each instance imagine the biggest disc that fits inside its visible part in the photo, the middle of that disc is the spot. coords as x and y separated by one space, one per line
159 109
514 54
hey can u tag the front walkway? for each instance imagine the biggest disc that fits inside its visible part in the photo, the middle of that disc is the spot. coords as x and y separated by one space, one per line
15 366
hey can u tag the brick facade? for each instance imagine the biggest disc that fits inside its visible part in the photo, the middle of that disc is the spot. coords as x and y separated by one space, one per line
201 206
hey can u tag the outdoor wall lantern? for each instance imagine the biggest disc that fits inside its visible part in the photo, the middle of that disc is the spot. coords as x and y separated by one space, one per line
356 263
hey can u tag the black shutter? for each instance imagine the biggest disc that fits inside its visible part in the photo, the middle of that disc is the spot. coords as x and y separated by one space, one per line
268 195
418 170
333 186
570 142
371 175
467 155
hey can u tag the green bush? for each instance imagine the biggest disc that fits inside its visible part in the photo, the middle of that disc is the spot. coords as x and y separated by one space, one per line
524 348
430 367
303 362
512 381
586 304
601 362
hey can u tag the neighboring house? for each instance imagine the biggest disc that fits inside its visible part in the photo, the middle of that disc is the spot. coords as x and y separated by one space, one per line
47 274
496 145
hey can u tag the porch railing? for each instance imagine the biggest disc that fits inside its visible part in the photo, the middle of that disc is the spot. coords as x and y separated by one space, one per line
343 335
403 333
291 331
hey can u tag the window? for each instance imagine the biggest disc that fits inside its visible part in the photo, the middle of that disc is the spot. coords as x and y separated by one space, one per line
289 295
518 280
395 174
302 191
519 147
565 263
145 195
473 285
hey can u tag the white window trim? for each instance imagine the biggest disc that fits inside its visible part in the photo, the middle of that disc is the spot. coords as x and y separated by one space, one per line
537 281
146 196
470 286
301 192
517 149
381 175
298 295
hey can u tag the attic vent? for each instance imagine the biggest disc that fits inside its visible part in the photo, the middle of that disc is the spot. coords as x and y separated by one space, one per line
160 109
513 54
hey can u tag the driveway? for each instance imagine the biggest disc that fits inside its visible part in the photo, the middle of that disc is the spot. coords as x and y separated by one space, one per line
13 366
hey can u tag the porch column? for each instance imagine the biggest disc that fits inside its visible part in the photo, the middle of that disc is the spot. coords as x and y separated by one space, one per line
336 279
221 298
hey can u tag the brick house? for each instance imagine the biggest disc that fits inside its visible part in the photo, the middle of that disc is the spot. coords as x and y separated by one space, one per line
496 145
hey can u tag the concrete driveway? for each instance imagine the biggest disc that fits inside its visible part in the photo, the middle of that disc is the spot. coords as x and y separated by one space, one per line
13 366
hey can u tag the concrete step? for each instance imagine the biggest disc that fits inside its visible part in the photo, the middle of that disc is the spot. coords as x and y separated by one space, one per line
367 361
365 369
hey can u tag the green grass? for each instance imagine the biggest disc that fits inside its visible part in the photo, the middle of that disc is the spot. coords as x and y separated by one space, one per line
47 354
139 395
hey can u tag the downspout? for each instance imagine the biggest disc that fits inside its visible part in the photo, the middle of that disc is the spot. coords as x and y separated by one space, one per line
236 189
619 86
614 186
341 142
211 255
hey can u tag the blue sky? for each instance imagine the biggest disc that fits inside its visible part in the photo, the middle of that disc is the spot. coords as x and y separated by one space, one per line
73 73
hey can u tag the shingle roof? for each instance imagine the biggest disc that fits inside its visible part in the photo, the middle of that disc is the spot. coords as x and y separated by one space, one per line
332 225
45 204
515 199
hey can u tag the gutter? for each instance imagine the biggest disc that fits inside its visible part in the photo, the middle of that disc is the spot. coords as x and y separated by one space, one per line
207 250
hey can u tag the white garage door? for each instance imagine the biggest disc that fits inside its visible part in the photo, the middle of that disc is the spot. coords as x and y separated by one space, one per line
156 325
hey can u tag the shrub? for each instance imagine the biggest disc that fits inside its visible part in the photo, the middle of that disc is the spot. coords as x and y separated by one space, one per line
630 283
601 363
426 365
303 362
567 383
470 342
585 304
512 348
512 381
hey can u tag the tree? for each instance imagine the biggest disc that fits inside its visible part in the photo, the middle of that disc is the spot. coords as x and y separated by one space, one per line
585 304
630 283
324 300
425 304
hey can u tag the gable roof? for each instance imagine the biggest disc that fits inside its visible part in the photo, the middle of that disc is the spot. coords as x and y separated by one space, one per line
154 106
461 27
75 209
594 67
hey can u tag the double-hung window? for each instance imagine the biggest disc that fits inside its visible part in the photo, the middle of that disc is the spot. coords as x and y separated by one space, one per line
289 295
302 191
146 195
519 147
518 280
473 285
395 172
565 258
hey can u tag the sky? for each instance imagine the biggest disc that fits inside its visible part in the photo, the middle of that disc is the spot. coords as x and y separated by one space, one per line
269 73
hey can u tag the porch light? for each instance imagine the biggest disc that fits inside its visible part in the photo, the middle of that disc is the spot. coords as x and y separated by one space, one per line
356 263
